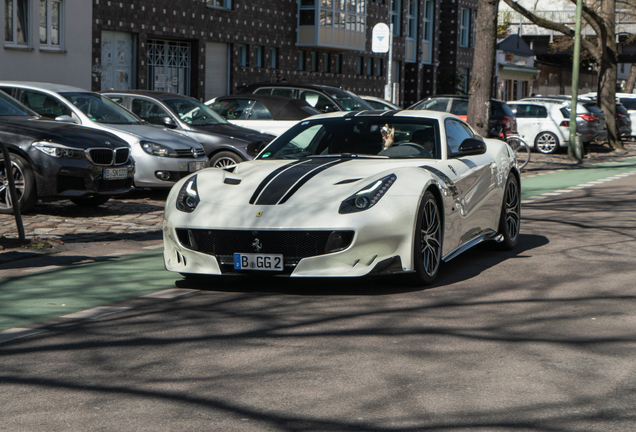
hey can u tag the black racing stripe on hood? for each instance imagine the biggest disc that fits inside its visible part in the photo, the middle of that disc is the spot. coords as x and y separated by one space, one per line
306 178
269 178
282 183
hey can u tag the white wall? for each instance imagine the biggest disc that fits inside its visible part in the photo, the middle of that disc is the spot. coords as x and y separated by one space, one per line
72 65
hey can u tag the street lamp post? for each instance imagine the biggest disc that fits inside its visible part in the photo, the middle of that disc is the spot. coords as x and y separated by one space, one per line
388 92
574 146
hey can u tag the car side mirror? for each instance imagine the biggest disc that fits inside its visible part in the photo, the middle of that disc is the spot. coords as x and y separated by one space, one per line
330 108
255 148
168 122
65 118
472 146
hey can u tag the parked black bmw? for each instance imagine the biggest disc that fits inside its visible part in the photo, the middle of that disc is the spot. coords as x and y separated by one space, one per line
56 160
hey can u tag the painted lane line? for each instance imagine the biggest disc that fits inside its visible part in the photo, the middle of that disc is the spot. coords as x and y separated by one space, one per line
169 293
549 194
564 191
154 246
17 333
97 312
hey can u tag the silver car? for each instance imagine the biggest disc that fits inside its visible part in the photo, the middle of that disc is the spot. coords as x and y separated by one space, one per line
162 156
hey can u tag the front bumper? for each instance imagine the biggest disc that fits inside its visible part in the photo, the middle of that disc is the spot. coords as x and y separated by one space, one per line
381 235
151 169
76 178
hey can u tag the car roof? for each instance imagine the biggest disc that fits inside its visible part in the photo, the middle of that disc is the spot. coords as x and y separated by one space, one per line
288 84
52 87
438 115
283 108
148 93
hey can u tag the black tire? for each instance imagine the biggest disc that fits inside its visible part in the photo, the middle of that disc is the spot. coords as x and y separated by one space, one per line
510 218
224 159
427 242
24 184
546 143
93 201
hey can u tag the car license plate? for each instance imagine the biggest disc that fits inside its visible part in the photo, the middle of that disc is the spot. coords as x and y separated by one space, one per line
115 173
252 261
196 166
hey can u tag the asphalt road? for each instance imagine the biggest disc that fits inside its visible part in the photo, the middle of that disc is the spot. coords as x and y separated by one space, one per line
537 339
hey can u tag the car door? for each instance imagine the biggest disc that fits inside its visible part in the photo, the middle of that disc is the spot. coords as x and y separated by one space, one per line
475 195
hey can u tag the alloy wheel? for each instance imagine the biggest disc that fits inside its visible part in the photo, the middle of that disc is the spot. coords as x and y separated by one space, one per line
18 179
546 143
430 237
513 219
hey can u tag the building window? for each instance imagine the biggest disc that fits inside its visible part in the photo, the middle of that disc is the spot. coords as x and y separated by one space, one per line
16 22
464 27
379 67
50 23
222 4
273 58
411 32
243 52
307 13
427 32
369 66
359 62
258 56
325 62
301 60
337 63
396 17
313 59
474 26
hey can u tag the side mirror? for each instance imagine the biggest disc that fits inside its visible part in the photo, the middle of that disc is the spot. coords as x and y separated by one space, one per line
330 108
255 148
472 146
65 118
168 122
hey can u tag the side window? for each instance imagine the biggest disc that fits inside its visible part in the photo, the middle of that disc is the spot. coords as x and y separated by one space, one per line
456 133
542 112
43 104
285 92
118 99
437 104
259 112
229 109
316 100
148 111
263 91
459 107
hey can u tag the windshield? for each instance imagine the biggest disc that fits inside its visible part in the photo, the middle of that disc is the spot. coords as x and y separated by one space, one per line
101 109
11 107
361 136
194 112
348 100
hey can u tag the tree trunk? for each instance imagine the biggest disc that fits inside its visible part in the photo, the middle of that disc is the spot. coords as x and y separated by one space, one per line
631 79
481 82
606 99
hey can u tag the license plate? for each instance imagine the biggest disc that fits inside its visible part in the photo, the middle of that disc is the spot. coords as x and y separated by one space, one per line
115 173
258 262
196 166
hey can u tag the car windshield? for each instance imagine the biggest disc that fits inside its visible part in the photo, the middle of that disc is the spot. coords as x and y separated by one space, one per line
194 113
101 109
11 107
349 101
360 136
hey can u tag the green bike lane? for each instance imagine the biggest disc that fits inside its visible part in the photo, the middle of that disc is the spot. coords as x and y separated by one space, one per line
37 297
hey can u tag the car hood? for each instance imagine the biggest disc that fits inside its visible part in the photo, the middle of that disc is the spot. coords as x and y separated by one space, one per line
307 181
155 134
235 132
61 133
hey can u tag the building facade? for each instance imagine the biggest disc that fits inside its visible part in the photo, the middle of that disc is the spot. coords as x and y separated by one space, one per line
47 40
207 48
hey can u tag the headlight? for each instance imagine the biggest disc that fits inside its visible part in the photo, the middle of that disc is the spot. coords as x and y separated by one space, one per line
157 149
59 150
367 197
188 197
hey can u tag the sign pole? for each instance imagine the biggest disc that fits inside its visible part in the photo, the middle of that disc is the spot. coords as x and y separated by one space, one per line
388 93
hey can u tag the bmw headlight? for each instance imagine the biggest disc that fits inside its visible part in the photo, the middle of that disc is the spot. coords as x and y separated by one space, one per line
59 150
188 197
157 149
366 198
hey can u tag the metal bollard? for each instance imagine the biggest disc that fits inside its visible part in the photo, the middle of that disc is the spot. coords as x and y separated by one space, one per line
10 184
